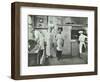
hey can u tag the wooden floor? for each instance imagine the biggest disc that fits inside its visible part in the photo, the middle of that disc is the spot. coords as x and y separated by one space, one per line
65 60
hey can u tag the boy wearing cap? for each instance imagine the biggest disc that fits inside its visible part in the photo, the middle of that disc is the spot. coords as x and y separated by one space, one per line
82 38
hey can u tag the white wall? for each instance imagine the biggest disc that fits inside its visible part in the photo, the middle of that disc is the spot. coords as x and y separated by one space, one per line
5 42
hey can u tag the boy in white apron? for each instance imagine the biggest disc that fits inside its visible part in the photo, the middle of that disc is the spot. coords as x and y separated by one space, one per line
60 43
82 38
40 39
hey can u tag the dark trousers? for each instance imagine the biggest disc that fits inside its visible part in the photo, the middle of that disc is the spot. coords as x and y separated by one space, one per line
40 55
58 54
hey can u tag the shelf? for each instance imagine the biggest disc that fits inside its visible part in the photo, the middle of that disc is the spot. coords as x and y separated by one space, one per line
78 25
41 28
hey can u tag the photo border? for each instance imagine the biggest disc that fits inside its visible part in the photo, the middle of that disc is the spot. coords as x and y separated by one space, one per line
15 39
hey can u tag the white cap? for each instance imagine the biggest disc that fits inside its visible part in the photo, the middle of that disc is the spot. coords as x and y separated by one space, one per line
80 32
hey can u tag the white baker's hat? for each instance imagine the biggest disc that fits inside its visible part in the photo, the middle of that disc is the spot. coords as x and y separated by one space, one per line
80 32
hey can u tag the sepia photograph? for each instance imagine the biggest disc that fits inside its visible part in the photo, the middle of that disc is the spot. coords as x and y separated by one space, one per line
57 40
